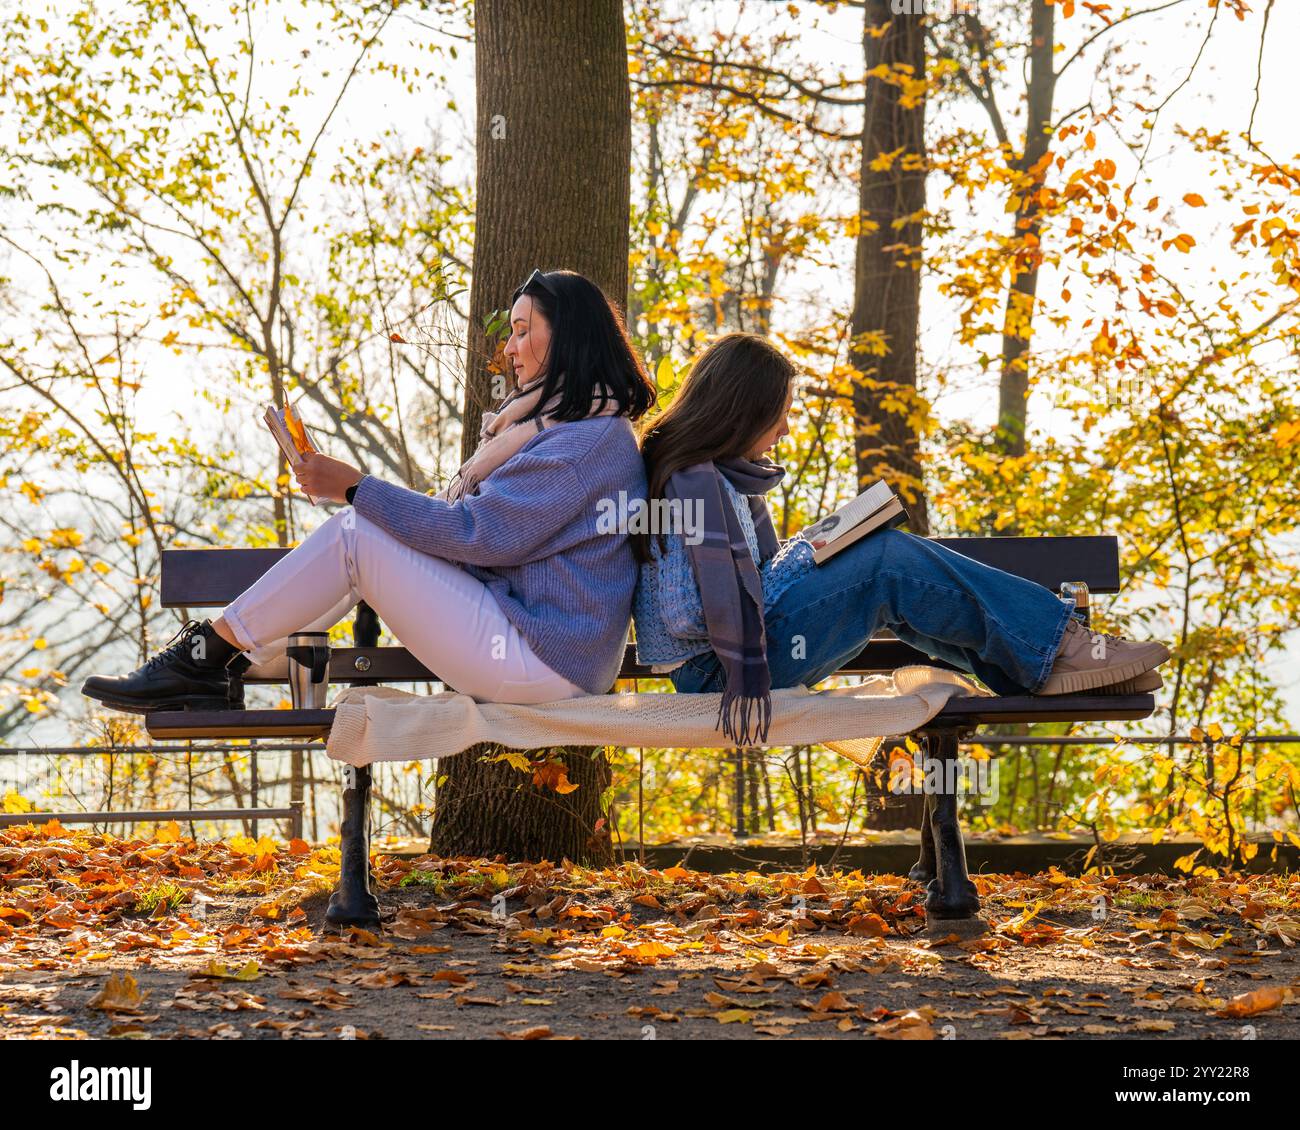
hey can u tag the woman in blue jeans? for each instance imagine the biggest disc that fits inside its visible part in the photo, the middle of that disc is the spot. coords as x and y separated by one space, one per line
722 606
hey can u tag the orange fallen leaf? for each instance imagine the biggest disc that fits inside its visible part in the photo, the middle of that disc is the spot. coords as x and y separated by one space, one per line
1253 1003
541 1032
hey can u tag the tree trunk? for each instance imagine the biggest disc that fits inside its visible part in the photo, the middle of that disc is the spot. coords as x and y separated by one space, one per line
1017 323
887 298
887 280
554 144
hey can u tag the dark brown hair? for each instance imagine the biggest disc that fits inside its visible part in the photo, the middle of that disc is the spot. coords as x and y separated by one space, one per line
589 347
734 393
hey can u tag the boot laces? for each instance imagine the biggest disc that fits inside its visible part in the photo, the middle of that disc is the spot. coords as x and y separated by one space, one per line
177 647
1094 632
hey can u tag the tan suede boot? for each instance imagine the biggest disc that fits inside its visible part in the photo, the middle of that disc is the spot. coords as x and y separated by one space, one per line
1089 659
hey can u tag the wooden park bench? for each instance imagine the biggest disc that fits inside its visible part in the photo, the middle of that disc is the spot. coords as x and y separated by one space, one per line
210 578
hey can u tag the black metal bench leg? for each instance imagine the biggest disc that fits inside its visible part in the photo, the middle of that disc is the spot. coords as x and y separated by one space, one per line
951 894
923 870
352 903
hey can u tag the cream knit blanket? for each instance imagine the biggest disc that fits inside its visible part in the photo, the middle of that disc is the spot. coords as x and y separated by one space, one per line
385 724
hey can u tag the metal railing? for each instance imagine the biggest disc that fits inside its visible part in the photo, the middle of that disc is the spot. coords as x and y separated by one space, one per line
294 813
253 813
160 816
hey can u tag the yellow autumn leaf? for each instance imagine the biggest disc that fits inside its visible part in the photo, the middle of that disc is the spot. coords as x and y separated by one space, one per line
515 759
249 972
121 993
665 374
15 802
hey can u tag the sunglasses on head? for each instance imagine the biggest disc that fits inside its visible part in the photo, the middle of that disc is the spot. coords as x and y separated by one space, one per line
535 279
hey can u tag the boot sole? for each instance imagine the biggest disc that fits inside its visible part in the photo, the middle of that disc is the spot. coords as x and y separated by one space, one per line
175 704
1076 682
1145 683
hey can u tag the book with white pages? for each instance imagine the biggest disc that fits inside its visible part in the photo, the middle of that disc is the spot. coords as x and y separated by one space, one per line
876 508
282 424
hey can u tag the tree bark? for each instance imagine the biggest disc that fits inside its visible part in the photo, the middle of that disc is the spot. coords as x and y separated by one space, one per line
554 143
1017 322
887 272
887 298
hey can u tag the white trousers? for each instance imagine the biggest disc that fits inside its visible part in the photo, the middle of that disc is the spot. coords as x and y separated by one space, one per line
446 618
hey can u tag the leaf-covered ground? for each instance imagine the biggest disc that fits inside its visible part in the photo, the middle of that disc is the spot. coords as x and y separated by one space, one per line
167 938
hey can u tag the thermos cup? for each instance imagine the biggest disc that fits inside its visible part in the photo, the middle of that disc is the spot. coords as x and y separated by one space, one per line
309 669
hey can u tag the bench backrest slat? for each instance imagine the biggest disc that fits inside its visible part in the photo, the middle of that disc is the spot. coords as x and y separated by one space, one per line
209 578
397 665
202 578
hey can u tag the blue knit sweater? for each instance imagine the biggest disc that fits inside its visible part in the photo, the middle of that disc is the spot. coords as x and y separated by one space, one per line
667 610
531 536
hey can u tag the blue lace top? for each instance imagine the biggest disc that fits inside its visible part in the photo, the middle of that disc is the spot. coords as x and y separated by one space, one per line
667 613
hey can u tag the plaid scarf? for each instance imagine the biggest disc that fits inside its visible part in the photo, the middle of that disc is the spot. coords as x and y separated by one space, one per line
730 587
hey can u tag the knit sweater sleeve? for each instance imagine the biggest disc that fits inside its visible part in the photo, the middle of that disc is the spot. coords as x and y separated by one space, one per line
524 511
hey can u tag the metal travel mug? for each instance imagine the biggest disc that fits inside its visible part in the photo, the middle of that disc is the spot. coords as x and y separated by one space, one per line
309 669
1075 594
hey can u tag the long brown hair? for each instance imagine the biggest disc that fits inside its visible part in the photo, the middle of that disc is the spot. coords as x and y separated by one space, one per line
734 393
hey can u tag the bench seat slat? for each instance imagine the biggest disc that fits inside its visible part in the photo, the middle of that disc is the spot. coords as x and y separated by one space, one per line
169 724
965 710
976 710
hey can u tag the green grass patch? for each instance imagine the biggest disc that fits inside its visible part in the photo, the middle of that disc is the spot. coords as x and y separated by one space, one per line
165 894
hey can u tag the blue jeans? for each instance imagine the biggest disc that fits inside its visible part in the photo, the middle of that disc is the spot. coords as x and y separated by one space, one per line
989 623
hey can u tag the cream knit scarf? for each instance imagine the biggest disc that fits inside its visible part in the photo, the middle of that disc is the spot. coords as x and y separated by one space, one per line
503 433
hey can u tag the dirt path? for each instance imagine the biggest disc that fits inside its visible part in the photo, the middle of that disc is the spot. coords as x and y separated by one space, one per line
729 972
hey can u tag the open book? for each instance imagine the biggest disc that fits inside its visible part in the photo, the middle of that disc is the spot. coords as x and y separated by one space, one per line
876 508
291 434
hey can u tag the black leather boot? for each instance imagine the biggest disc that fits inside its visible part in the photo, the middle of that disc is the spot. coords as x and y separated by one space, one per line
189 674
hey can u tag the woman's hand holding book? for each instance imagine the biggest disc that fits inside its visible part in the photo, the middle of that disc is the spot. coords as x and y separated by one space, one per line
322 477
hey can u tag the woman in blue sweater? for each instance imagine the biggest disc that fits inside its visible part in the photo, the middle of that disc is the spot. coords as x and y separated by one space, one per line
721 606
507 584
